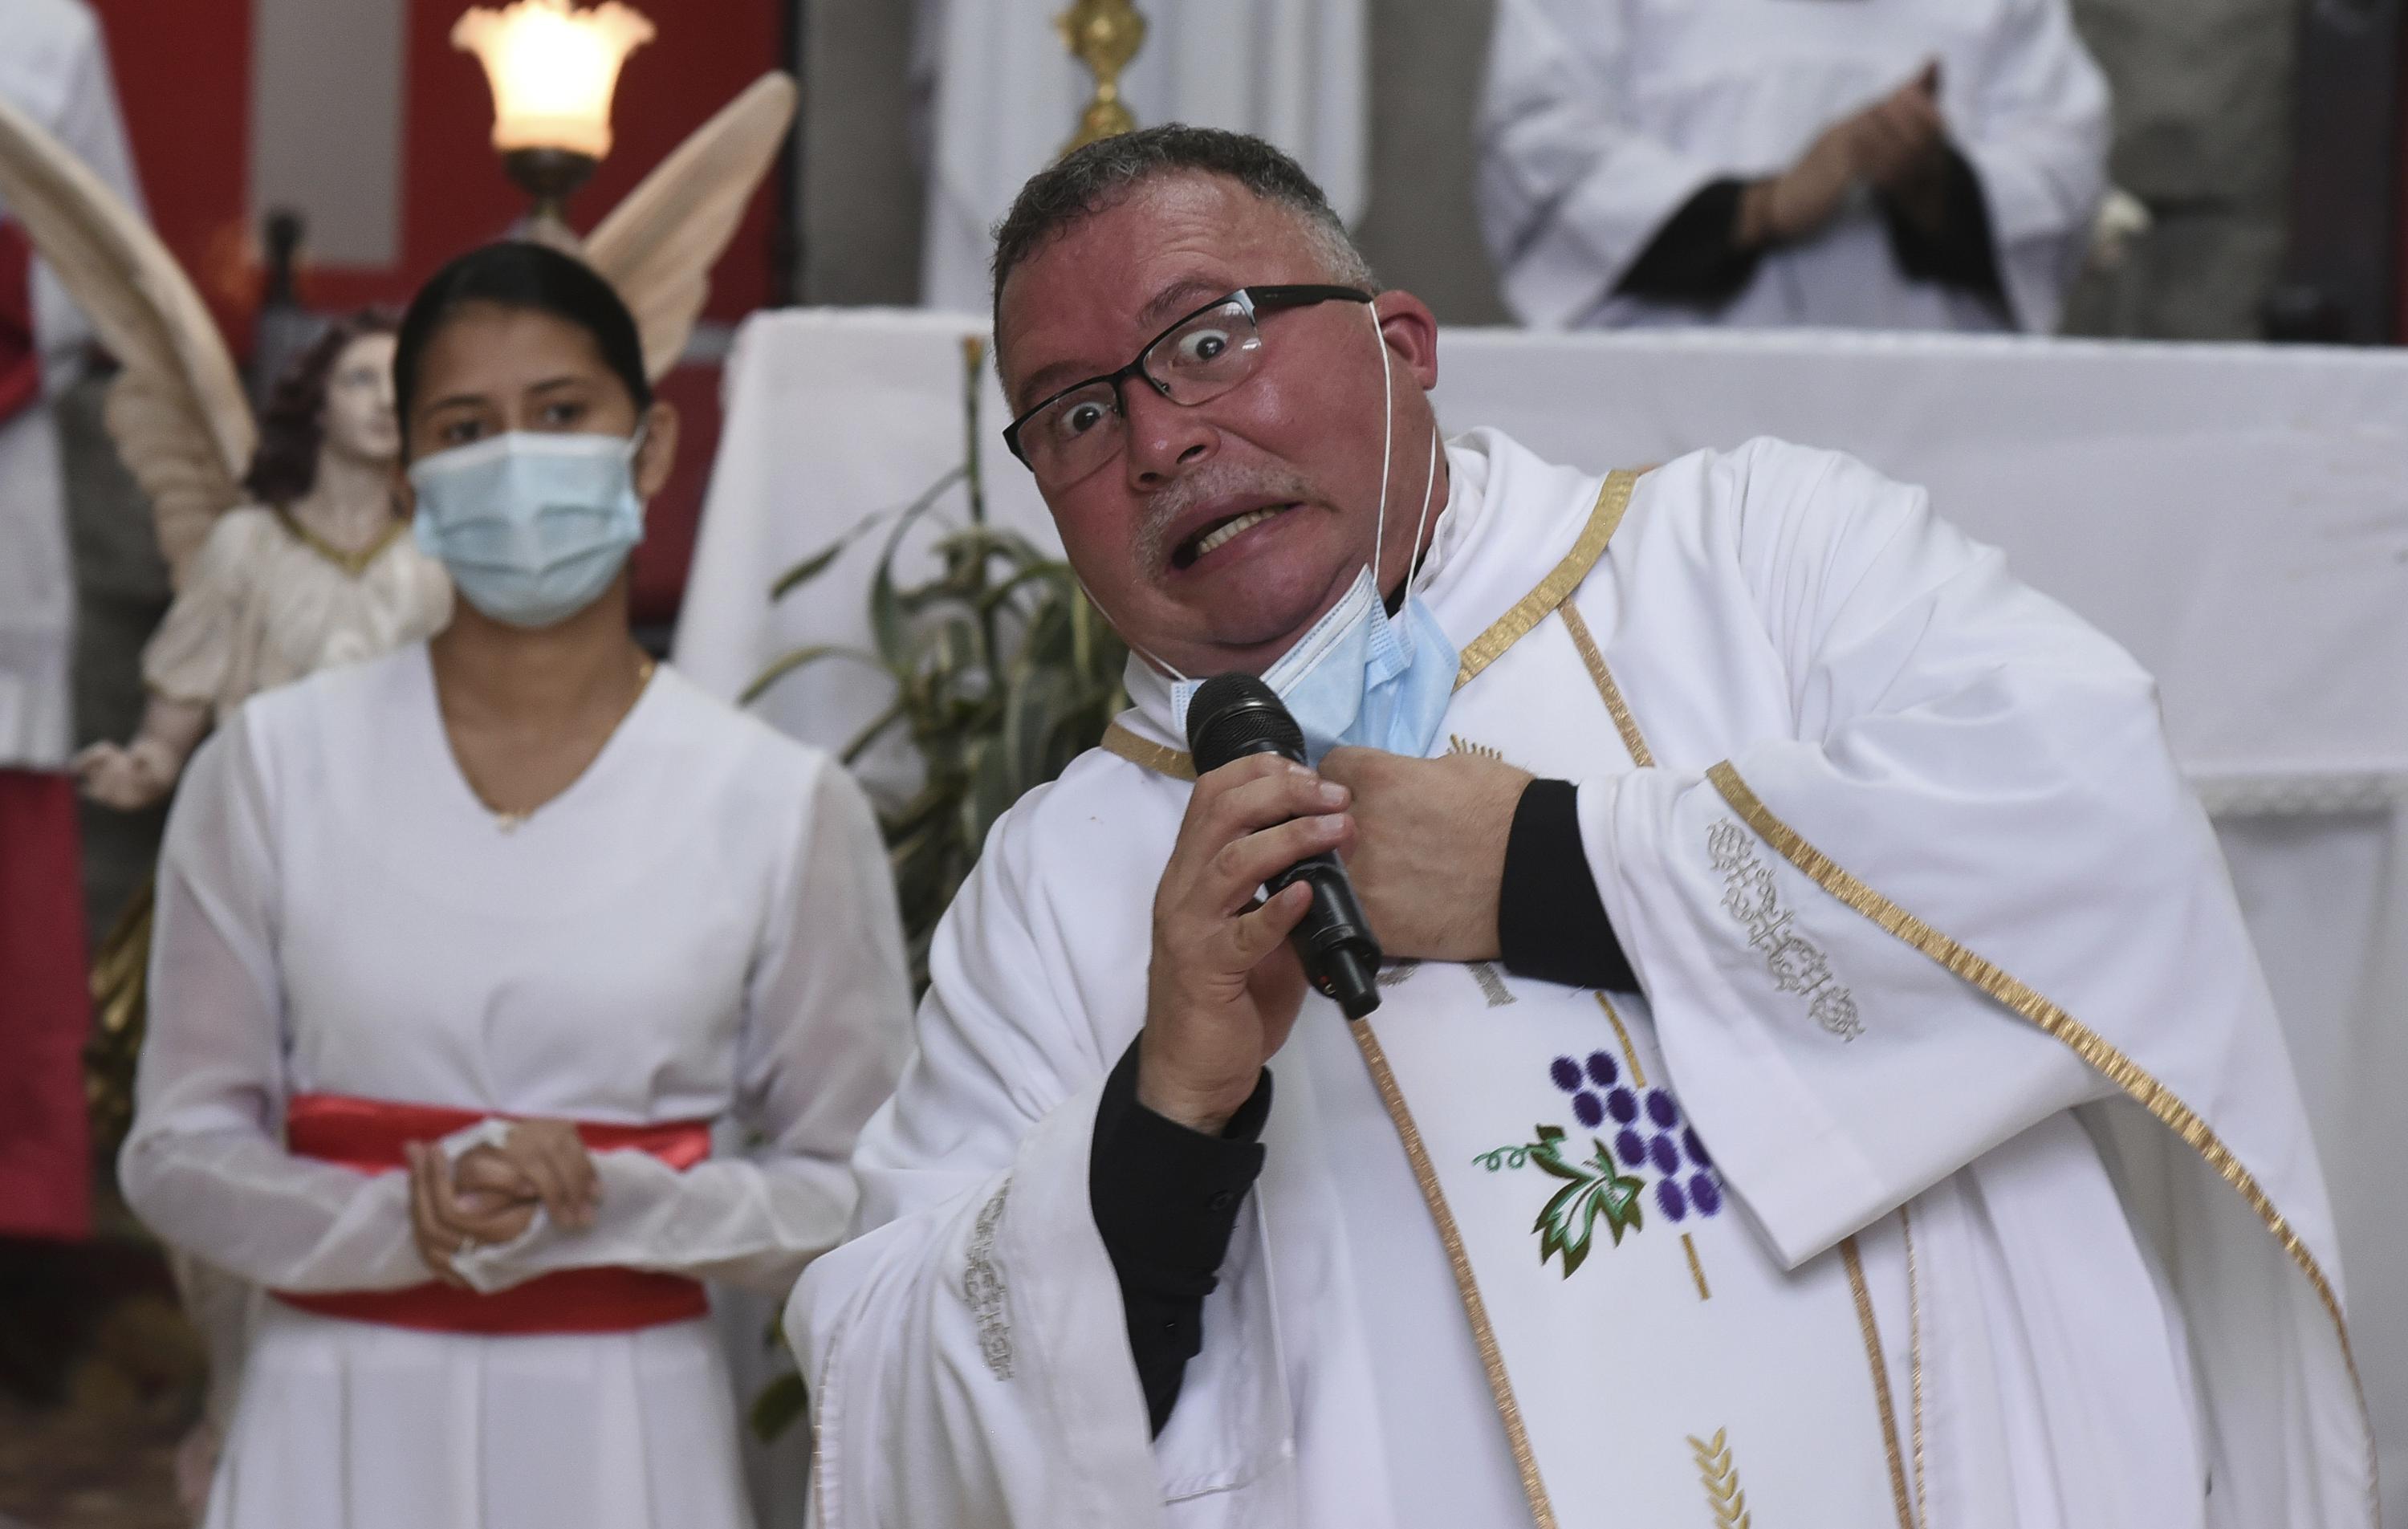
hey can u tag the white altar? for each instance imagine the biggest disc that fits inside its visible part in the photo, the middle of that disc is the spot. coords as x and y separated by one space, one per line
2236 516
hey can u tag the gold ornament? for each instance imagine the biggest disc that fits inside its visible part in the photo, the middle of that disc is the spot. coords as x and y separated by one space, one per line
1103 34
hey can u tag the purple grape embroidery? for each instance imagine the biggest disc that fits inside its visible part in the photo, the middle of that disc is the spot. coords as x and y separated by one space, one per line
1652 1139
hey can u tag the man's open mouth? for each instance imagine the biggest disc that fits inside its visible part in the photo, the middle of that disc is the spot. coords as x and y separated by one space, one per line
1220 533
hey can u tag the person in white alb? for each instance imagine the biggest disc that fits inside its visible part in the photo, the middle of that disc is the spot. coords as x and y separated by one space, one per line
464 955
53 71
1821 1072
1856 164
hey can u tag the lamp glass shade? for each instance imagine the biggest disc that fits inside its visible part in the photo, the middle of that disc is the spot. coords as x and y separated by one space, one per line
553 69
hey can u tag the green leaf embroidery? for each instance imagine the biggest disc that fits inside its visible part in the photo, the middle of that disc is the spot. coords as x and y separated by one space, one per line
1592 1189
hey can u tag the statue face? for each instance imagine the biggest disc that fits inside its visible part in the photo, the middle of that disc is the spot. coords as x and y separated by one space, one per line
357 414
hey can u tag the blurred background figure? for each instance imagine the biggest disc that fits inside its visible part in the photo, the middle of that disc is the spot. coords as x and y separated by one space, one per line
53 69
996 97
1858 164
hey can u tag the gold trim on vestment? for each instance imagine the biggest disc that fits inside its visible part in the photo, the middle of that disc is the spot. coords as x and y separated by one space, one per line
1914 1360
1697 1270
1881 1380
1612 499
2092 1048
1483 1337
1624 723
1719 1474
1148 755
352 562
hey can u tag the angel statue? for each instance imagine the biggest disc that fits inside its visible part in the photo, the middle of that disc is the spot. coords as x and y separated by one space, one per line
306 565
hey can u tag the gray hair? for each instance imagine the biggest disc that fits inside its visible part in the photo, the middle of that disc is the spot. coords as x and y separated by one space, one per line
1098 176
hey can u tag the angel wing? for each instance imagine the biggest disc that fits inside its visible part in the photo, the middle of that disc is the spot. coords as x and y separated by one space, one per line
658 246
176 409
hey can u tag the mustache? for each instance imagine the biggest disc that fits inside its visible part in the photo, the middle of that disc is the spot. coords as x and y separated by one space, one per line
1213 480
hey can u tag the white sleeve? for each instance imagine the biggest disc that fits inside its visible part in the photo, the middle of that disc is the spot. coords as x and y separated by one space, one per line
1961 890
1570 194
2035 129
205 1165
966 1354
826 1026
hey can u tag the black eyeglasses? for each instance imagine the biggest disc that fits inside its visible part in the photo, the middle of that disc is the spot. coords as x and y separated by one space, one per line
1212 349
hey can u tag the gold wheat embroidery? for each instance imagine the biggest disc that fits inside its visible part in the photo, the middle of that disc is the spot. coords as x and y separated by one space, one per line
1459 744
1721 1477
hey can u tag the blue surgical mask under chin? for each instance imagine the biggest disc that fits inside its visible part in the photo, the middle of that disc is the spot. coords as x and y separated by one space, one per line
1361 677
532 526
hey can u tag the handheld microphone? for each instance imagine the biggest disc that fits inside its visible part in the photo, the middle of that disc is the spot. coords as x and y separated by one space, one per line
1234 715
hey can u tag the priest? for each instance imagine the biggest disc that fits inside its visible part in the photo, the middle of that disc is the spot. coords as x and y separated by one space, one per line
1820 1068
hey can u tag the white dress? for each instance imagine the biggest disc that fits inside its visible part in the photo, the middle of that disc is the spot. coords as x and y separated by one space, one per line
701 926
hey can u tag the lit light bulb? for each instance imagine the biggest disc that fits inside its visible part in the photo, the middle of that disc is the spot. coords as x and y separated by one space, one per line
552 70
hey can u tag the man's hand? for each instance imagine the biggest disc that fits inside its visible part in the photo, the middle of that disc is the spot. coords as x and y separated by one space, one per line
1799 200
1428 859
1224 987
1902 145
1898 144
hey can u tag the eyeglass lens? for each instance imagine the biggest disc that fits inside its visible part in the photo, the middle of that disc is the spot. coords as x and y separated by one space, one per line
1200 360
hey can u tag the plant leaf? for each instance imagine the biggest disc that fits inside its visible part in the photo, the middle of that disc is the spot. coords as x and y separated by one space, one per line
786 663
779 1406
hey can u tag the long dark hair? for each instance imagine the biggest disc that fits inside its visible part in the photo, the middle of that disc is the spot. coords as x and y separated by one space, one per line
520 274
292 427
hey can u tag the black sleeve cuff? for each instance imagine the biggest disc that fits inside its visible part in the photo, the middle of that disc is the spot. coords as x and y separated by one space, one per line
1696 258
1165 1202
1550 922
1961 254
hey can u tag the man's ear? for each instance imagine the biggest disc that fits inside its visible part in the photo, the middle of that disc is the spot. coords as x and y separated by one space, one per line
1411 330
658 454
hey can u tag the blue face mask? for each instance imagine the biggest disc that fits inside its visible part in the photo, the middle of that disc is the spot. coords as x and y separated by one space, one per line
1361 677
533 527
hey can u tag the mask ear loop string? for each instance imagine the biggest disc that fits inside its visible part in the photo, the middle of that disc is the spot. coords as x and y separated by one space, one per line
1387 441
1161 665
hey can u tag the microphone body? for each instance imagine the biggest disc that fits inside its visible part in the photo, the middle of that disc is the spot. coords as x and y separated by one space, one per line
1234 715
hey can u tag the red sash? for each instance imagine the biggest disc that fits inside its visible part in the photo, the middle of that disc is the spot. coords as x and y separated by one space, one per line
20 360
367 1136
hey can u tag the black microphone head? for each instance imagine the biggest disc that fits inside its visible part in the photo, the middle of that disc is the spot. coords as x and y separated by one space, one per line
1235 714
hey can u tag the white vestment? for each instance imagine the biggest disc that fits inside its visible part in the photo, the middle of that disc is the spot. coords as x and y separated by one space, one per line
2063 1161
54 68
1601 119
700 927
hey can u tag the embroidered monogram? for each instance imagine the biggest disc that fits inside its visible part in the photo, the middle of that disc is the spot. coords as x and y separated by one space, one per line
982 1282
1492 983
1798 964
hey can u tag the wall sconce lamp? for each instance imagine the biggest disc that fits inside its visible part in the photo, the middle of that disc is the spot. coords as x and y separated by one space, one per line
553 69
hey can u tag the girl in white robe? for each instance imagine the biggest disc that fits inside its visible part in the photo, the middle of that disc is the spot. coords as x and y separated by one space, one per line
517 913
